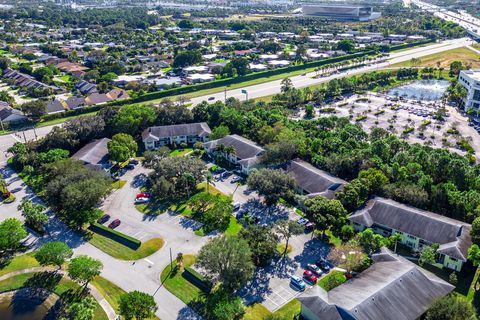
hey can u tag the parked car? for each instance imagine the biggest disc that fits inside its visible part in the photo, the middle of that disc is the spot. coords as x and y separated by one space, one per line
309 226
323 264
315 269
236 179
141 200
310 277
115 223
103 219
226 174
129 167
134 162
236 206
302 221
297 282
143 195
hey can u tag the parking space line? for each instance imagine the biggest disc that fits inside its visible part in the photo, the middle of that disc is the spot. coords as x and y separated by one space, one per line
149 261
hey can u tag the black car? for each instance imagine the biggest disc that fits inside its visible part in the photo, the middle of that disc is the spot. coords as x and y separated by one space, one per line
134 162
129 167
103 219
324 265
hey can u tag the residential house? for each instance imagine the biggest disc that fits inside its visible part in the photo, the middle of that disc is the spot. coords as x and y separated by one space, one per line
200 77
26 81
156 137
85 87
312 181
117 94
393 288
94 155
417 228
56 106
75 102
96 98
246 153
9 114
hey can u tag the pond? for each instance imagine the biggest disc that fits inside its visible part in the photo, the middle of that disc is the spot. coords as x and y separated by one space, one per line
20 307
427 90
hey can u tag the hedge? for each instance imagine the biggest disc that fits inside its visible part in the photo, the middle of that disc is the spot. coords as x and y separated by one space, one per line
116 236
197 279
408 45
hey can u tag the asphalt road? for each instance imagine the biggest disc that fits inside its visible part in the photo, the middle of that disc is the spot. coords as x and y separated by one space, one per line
273 87
142 275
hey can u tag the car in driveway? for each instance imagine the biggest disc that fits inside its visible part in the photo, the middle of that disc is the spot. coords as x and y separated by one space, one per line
103 219
315 269
298 283
115 223
310 277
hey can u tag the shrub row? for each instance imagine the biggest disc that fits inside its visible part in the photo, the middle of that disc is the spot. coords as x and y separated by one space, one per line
197 279
115 235
408 45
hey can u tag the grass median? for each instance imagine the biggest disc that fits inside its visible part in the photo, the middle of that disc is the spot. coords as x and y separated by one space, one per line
173 280
122 252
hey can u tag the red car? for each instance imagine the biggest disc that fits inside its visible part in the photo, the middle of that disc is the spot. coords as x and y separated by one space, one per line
115 223
143 195
310 276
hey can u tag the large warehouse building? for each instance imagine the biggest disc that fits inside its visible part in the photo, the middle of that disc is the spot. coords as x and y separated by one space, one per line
341 12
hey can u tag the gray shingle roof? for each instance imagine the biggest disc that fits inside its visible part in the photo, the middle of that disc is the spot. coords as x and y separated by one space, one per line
200 129
244 148
93 153
393 288
453 236
311 179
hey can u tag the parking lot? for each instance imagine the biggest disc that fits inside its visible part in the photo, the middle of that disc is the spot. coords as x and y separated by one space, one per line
412 120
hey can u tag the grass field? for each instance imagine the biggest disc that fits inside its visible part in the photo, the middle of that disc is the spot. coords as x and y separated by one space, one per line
122 252
173 281
21 262
258 312
64 288
234 227
180 152
463 54
338 275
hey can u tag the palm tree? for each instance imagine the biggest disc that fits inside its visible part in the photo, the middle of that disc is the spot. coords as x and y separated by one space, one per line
220 148
209 179
230 150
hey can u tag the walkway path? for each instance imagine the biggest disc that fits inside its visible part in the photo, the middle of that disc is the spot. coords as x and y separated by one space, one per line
112 315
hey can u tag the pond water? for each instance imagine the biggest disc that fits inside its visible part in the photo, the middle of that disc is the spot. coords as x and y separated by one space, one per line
428 90
25 309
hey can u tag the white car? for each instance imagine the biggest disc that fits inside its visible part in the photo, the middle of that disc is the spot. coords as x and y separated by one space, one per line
142 200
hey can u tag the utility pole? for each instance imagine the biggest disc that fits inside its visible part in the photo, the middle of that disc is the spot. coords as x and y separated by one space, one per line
225 94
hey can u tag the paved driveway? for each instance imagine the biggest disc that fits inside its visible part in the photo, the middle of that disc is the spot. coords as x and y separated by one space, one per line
271 285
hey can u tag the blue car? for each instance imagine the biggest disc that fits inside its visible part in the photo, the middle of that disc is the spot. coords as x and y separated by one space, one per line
298 283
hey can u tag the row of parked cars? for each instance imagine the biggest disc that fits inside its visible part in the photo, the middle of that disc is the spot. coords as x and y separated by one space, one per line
112 225
311 274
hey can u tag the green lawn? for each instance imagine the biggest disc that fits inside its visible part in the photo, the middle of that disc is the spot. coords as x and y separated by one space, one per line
62 120
64 288
21 262
256 312
338 275
119 184
281 248
234 227
173 281
65 78
180 152
122 252
289 311
465 55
